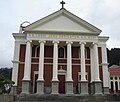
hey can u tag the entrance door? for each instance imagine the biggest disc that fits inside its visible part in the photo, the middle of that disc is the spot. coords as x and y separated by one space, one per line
61 79
35 83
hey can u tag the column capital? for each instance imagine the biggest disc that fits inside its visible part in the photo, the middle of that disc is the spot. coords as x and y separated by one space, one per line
69 42
82 43
55 41
30 41
95 43
42 41
104 45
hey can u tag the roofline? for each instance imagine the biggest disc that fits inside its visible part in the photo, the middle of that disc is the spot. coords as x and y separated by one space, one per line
67 13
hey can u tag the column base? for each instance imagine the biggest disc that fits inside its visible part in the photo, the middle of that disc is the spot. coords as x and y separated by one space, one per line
106 90
26 87
55 87
13 90
69 87
40 87
97 87
83 86
91 88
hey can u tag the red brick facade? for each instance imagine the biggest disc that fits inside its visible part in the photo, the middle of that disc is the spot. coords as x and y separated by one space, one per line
48 65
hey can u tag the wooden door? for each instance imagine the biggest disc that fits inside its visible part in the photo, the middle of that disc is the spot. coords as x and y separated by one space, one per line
61 79
35 83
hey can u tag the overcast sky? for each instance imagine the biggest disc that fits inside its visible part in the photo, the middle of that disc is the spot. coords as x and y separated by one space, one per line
104 14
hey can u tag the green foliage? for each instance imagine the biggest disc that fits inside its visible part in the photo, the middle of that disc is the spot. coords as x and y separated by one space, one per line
113 56
6 72
5 82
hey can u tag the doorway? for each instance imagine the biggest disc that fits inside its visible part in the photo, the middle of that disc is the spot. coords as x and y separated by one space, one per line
61 79
35 77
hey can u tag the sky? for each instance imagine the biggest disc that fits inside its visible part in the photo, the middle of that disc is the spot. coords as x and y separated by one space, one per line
104 14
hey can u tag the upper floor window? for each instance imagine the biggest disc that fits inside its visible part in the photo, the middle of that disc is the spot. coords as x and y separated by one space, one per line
61 52
111 78
115 78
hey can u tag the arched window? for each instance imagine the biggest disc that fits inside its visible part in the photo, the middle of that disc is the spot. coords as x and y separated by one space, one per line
112 87
61 52
116 86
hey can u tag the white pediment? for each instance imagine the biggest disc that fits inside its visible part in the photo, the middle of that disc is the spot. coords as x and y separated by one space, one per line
62 21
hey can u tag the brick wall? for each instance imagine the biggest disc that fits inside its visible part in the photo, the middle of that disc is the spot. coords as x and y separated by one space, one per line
48 67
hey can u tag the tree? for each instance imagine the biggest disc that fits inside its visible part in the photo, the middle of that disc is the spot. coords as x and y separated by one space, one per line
5 82
113 56
1 83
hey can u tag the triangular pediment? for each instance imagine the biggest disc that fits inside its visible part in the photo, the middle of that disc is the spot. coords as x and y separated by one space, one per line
63 21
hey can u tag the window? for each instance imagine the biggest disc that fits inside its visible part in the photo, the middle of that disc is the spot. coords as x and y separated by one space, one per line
87 53
115 78
116 85
111 78
61 52
112 85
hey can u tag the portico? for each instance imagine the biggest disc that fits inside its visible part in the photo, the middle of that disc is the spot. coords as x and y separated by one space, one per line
57 45
83 82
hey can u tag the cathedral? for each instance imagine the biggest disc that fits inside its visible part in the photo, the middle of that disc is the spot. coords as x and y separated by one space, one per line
60 54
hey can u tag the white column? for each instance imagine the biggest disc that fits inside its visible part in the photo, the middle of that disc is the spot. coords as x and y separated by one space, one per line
55 61
15 62
92 64
96 63
69 62
118 83
27 68
105 67
41 61
92 67
15 67
55 69
69 81
83 69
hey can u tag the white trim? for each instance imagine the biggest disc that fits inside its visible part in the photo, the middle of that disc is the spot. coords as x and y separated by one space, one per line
52 63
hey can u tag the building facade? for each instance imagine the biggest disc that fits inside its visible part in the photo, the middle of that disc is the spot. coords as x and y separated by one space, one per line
60 54
114 71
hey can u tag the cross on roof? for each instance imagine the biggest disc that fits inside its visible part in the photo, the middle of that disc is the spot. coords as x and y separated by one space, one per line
62 4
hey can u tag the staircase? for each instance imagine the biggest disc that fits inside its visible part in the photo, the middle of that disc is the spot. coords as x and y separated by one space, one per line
69 98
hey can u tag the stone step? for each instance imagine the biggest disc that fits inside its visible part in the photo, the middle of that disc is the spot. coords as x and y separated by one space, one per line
69 98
